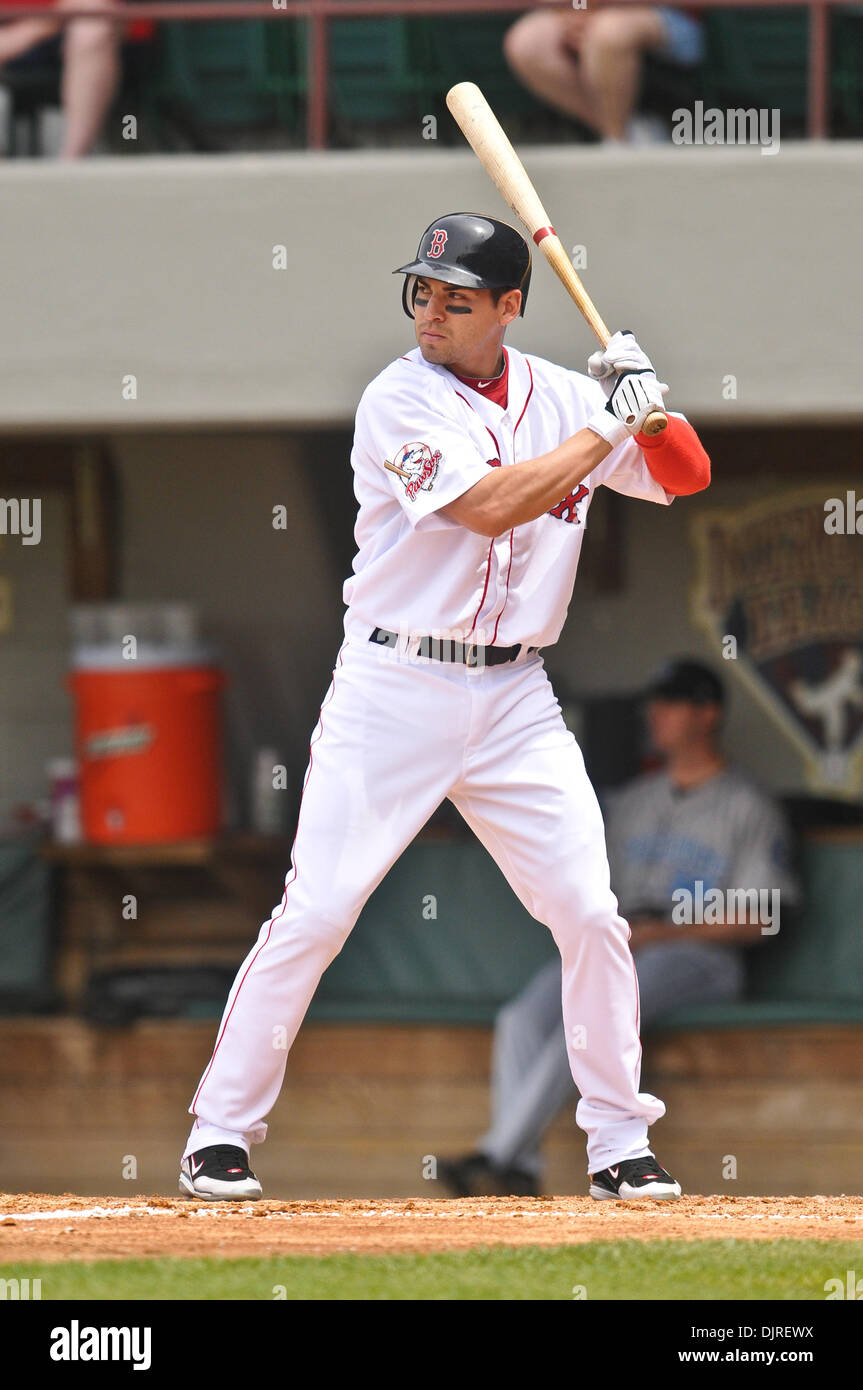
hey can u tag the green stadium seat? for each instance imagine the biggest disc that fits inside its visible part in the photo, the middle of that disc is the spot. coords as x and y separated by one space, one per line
377 71
666 86
846 47
216 70
284 77
470 49
757 58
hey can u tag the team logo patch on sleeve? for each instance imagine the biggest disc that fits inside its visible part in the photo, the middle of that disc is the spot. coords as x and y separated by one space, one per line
417 466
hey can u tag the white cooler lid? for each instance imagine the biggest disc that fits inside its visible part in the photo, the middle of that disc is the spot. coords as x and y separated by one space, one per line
150 657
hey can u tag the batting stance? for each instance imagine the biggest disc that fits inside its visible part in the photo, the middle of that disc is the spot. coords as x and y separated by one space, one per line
474 467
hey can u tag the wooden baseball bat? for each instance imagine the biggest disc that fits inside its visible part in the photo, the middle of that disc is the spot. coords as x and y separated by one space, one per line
486 136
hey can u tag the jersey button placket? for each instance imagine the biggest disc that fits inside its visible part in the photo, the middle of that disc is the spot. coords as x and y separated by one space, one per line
503 545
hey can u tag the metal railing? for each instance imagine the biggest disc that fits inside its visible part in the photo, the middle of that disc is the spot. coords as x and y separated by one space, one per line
318 13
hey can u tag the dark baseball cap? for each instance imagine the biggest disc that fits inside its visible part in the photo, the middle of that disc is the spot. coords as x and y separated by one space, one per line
680 679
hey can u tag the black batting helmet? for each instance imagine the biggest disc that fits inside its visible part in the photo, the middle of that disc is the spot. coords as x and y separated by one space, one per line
466 248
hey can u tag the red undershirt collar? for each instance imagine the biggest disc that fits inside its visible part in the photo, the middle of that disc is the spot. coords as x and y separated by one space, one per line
496 389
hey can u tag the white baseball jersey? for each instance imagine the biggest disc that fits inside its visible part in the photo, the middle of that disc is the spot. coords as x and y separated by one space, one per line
418 571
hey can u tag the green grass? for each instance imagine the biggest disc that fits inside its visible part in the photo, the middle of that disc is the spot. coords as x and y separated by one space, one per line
650 1270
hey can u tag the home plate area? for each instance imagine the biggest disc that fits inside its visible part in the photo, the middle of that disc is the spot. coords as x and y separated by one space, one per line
66 1227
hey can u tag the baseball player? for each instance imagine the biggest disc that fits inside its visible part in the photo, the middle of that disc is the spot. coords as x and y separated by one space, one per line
474 466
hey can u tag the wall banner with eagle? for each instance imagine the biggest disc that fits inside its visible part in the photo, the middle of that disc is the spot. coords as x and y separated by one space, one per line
779 586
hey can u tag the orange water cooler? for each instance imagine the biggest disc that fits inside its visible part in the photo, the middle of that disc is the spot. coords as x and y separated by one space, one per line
149 744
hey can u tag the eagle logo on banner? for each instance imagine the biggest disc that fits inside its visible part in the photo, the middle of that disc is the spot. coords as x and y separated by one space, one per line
779 588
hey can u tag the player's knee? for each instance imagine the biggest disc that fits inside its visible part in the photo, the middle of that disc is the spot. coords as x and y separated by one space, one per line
321 927
318 939
571 917
332 931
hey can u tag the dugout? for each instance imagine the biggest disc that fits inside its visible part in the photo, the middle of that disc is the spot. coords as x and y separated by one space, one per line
166 272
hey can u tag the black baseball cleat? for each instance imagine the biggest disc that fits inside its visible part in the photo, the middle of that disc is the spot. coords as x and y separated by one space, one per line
474 1176
220 1173
634 1179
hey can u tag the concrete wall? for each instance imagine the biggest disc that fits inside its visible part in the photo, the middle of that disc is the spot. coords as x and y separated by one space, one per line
726 262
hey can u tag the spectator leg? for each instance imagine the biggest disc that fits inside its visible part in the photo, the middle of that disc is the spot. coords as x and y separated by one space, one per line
539 49
91 75
21 35
612 48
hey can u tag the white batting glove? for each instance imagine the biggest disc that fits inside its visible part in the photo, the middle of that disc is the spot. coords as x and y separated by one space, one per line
621 355
631 399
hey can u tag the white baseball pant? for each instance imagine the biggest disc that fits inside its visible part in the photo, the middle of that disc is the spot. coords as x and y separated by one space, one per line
397 734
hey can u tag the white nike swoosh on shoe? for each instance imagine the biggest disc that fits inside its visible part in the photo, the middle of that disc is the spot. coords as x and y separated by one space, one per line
615 1172
193 1170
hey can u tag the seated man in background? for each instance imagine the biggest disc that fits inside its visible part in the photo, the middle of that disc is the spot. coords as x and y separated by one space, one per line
587 63
696 821
91 64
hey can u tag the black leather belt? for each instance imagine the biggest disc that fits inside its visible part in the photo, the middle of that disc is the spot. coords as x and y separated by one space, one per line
448 649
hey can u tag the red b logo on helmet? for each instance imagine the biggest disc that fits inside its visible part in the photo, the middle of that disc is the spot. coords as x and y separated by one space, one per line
437 244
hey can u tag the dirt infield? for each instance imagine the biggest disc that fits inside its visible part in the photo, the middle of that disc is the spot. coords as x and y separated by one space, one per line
34 1227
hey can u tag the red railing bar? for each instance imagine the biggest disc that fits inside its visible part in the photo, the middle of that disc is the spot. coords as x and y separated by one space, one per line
310 9
318 95
351 9
818 93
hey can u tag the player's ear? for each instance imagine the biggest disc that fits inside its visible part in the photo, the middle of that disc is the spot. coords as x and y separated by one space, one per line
715 722
509 306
